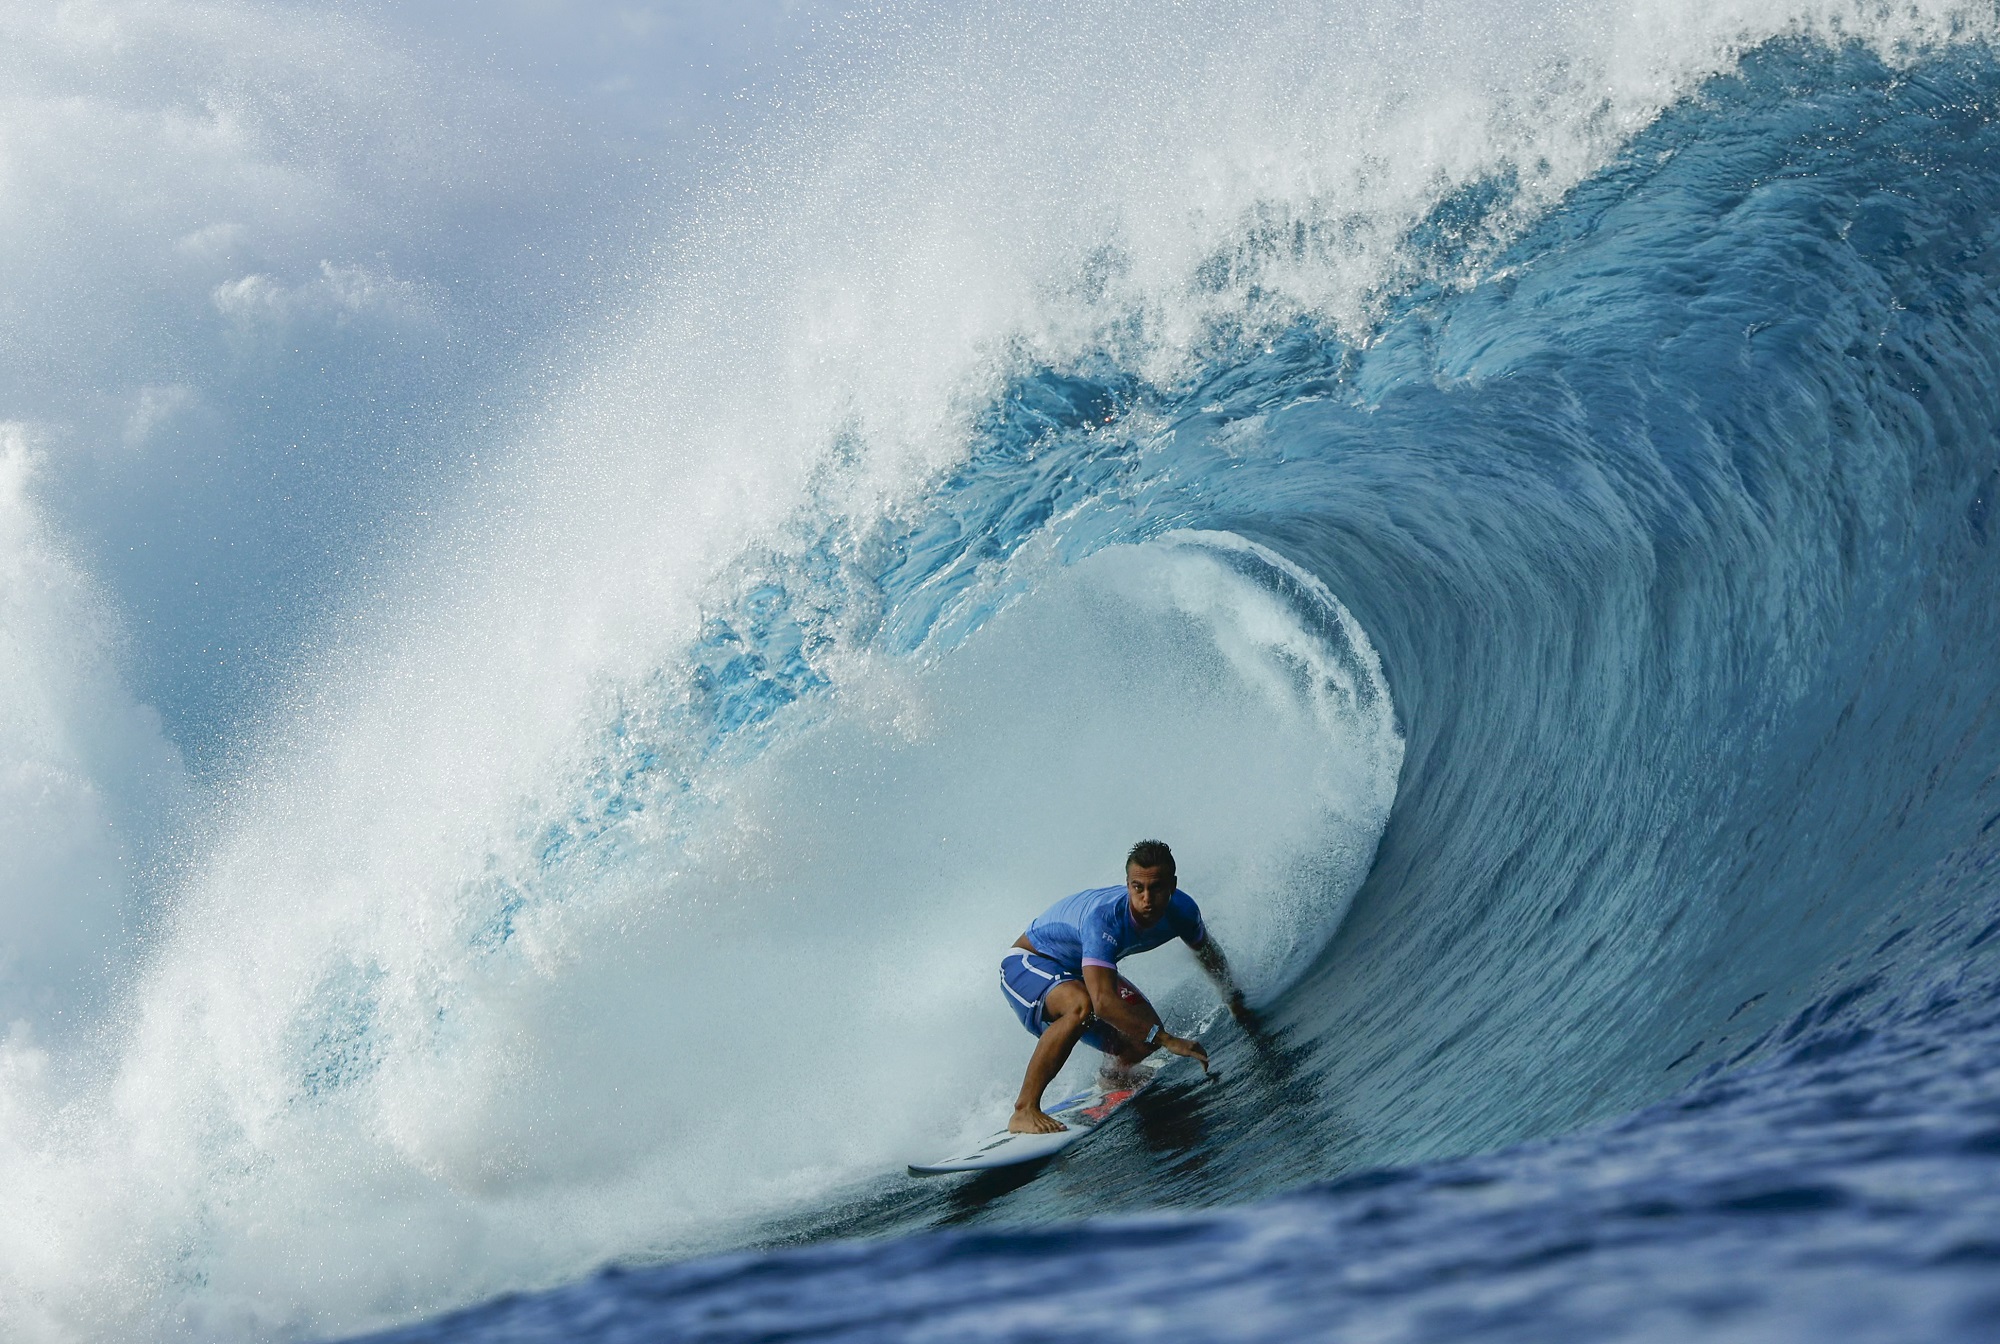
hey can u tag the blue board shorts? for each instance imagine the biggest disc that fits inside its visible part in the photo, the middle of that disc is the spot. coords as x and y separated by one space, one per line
1027 977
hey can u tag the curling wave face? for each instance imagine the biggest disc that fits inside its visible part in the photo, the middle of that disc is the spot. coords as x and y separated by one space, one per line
1674 533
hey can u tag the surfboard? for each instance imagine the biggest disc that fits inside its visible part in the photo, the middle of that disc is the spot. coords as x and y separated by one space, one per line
1085 1113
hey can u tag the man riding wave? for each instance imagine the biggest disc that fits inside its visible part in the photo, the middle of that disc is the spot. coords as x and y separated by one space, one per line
1062 981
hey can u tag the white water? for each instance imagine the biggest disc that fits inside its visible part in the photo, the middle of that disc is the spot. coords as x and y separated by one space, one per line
190 194
794 989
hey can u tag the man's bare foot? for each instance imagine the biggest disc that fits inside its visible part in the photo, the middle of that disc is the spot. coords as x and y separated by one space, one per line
1033 1120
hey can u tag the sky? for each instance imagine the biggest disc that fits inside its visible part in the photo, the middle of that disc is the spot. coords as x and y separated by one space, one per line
272 271
648 75
275 281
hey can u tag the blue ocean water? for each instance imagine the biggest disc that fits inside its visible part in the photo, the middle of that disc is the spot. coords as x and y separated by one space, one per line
1670 1005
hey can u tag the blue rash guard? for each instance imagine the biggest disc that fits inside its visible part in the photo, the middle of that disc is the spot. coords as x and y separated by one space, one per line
1095 928
1091 928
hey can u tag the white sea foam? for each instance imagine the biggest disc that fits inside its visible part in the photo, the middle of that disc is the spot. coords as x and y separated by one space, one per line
330 1100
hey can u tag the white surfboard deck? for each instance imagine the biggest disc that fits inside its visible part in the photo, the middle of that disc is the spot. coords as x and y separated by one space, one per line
1085 1113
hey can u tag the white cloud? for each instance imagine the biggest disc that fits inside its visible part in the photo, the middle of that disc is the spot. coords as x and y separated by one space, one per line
157 407
337 293
209 241
86 776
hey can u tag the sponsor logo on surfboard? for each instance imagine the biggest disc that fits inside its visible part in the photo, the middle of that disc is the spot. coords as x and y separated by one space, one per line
1108 1105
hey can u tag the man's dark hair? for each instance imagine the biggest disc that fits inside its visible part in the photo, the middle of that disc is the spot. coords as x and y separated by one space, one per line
1151 854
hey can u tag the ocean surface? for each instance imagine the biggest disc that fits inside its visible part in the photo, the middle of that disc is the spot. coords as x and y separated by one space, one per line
1530 543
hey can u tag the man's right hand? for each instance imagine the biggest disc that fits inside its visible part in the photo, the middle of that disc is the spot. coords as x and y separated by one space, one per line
1182 1046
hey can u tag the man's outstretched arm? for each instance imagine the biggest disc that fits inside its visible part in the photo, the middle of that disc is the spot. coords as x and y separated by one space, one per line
1212 961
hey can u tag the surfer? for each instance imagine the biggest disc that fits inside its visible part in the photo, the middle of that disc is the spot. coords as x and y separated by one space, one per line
1062 980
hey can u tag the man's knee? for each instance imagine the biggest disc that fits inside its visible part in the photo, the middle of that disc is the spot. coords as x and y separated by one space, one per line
1068 1004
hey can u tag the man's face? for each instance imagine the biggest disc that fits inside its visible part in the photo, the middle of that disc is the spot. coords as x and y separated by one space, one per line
1149 889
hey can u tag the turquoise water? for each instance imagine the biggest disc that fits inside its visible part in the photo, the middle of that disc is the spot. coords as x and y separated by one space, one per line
1672 533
